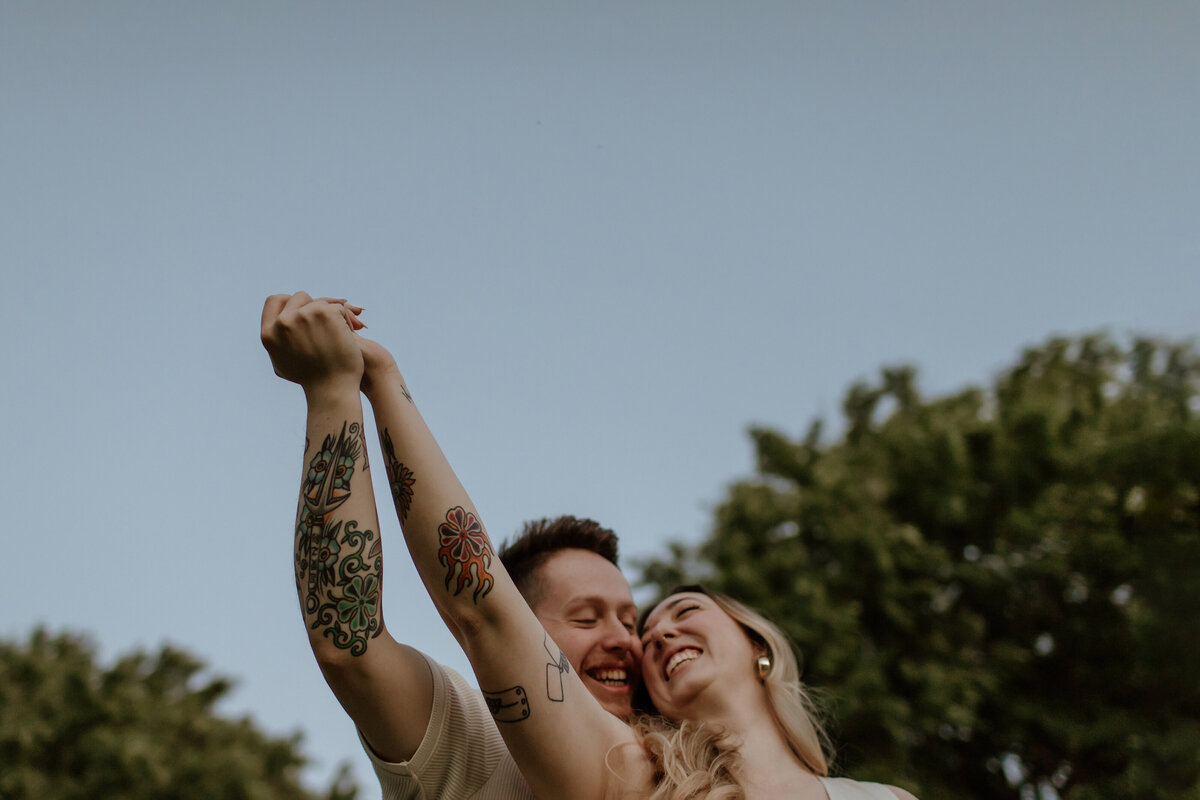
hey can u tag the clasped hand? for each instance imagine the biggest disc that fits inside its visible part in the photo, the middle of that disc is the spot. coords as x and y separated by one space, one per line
315 343
312 342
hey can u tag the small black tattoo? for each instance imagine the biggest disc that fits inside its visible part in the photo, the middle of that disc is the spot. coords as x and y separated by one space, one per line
555 669
509 705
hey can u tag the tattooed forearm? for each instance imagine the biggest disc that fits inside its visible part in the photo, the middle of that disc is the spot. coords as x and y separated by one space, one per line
339 568
509 705
466 552
362 440
326 486
327 482
512 705
555 669
400 478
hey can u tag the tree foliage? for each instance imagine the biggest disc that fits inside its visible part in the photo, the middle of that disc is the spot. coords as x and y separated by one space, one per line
997 590
141 729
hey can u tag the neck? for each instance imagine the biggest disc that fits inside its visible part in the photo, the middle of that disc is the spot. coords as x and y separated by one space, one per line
768 764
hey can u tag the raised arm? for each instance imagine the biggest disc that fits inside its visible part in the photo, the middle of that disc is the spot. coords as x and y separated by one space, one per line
385 687
555 730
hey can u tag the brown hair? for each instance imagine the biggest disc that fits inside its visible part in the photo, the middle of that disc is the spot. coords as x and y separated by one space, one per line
542 538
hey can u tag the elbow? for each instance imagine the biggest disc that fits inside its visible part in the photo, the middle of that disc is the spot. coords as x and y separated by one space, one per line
466 624
480 632
337 652
333 659
342 670
330 657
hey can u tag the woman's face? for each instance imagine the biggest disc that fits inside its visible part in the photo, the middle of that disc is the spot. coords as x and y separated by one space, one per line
691 645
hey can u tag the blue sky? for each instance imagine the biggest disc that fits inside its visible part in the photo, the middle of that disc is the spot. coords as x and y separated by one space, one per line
601 238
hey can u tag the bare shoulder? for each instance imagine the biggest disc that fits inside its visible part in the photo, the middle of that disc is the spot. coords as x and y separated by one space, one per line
903 795
629 773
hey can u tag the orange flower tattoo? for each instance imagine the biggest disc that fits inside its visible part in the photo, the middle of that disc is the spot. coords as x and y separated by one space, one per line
465 552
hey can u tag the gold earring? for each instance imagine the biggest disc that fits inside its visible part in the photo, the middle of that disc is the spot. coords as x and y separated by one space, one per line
764 666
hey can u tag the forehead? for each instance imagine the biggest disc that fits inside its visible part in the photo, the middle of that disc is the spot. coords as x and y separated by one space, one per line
572 576
664 608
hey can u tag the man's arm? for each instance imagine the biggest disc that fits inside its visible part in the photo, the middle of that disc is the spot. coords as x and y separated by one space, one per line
557 733
385 687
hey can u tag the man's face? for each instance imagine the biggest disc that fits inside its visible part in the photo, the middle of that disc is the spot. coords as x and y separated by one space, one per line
587 608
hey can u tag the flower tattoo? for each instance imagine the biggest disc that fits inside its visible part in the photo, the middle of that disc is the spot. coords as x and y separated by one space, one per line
339 568
357 608
325 558
341 476
465 552
400 478
318 467
335 459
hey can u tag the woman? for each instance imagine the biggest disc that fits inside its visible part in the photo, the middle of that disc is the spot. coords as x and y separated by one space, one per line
747 726
740 735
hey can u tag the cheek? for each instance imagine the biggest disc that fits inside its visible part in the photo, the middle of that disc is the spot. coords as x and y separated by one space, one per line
656 690
653 681
636 649
567 639
574 647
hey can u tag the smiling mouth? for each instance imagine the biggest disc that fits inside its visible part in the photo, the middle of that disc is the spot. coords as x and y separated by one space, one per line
680 658
614 677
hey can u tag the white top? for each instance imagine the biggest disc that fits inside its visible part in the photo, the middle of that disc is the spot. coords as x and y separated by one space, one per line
846 789
461 756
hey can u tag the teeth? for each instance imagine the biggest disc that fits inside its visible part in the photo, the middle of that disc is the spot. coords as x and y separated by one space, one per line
611 677
679 658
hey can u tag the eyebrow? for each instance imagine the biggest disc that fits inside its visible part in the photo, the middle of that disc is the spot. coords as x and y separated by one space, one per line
596 600
674 603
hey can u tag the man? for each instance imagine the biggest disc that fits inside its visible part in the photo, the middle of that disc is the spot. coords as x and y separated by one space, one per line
566 569
429 734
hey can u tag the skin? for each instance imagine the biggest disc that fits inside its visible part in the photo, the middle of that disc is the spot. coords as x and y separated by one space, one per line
720 657
383 684
587 608
586 604
698 663
565 744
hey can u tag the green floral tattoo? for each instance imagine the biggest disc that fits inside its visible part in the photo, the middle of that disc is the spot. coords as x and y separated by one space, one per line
339 569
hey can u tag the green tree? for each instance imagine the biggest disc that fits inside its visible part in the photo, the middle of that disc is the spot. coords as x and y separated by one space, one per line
997 590
143 728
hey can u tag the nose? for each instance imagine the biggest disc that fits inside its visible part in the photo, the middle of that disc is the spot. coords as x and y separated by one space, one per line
659 636
617 638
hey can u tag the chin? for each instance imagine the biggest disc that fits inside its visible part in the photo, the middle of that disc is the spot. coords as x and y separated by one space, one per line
618 708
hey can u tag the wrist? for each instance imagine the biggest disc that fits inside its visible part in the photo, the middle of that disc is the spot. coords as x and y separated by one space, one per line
331 393
380 385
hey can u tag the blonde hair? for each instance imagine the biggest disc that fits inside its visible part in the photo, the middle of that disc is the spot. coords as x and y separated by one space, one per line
692 759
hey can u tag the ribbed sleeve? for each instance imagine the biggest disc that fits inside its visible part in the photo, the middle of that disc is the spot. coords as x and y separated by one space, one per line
461 756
